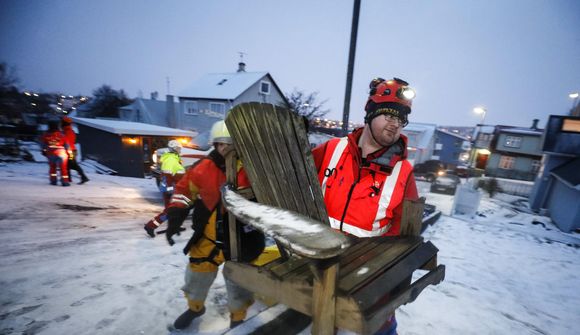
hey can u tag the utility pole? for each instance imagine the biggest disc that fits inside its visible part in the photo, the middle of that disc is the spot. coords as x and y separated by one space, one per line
351 54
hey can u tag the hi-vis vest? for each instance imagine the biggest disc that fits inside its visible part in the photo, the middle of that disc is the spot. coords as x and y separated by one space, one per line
363 207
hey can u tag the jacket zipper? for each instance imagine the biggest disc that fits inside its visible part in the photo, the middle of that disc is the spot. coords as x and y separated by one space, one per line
349 196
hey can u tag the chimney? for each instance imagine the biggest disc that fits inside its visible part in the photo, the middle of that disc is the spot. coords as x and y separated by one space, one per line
241 67
170 110
535 124
154 95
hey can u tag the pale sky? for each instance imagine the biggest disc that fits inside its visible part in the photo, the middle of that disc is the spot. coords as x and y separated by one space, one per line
518 58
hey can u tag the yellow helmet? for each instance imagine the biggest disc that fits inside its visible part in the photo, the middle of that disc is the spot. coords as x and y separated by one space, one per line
219 133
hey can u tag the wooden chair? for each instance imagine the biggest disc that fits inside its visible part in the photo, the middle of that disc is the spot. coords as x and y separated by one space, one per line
340 281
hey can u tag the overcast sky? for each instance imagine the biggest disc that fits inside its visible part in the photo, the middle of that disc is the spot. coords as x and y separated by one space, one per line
518 58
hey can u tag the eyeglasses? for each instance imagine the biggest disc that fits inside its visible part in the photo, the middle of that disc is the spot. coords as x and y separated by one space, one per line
393 119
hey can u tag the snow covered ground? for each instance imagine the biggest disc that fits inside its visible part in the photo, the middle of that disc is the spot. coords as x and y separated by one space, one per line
76 260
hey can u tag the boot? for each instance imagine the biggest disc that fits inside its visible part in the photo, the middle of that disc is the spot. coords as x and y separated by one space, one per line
84 179
150 231
185 319
65 183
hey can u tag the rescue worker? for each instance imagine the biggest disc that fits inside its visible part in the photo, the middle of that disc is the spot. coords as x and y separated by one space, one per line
71 138
171 172
365 176
54 147
208 247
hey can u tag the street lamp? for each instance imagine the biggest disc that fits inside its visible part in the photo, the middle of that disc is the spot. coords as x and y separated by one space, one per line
574 97
482 111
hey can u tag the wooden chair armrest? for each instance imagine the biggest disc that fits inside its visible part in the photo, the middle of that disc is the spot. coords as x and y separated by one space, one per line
295 232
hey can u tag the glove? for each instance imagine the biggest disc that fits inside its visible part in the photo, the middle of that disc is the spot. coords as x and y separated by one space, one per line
71 154
175 217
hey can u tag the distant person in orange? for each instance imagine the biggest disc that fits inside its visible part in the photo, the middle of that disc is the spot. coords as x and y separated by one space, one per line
54 147
71 138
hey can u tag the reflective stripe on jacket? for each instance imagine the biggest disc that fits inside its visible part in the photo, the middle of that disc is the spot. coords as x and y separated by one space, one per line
364 197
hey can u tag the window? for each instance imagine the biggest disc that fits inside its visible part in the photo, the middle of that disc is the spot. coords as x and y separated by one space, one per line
191 108
571 125
536 165
513 141
264 87
217 108
507 162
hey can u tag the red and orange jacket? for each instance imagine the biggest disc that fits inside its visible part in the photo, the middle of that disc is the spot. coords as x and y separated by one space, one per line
199 189
364 197
54 143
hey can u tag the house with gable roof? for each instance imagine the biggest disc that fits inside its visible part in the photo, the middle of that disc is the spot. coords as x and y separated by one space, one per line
206 101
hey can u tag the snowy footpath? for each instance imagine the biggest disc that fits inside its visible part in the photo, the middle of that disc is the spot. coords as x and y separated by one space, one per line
76 260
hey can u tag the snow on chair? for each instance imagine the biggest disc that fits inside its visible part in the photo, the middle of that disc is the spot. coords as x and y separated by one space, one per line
340 281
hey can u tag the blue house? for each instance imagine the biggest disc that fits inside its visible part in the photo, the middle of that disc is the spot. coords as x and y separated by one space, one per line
557 188
450 148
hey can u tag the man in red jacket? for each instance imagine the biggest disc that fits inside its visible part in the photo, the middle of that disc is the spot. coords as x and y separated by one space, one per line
71 138
54 147
365 176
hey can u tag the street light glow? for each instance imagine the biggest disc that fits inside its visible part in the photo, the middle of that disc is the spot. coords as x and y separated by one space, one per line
573 95
479 110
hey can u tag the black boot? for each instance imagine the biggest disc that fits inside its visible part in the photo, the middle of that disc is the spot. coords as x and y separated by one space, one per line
185 319
150 231
83 180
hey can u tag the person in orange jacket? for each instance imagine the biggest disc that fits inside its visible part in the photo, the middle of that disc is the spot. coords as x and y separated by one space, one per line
71 138
365 176
208 247
54 147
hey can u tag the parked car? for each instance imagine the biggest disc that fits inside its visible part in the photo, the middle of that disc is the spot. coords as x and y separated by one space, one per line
429 170
445 184
188 157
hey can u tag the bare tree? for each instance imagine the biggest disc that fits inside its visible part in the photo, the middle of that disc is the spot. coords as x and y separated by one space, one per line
306 105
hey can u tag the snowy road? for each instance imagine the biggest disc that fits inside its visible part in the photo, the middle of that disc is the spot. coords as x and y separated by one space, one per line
76 261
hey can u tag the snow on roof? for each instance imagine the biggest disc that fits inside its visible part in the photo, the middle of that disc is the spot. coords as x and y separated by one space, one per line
132 128
523 131
226 86
419 134
453 134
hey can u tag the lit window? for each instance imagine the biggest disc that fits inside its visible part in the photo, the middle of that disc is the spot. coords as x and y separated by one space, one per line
571 125
264 87
507 162
513 141
191 108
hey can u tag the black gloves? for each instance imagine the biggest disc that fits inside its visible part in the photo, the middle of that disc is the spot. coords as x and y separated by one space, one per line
175 216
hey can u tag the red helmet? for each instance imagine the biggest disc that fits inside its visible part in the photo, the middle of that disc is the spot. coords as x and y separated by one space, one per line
392 94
